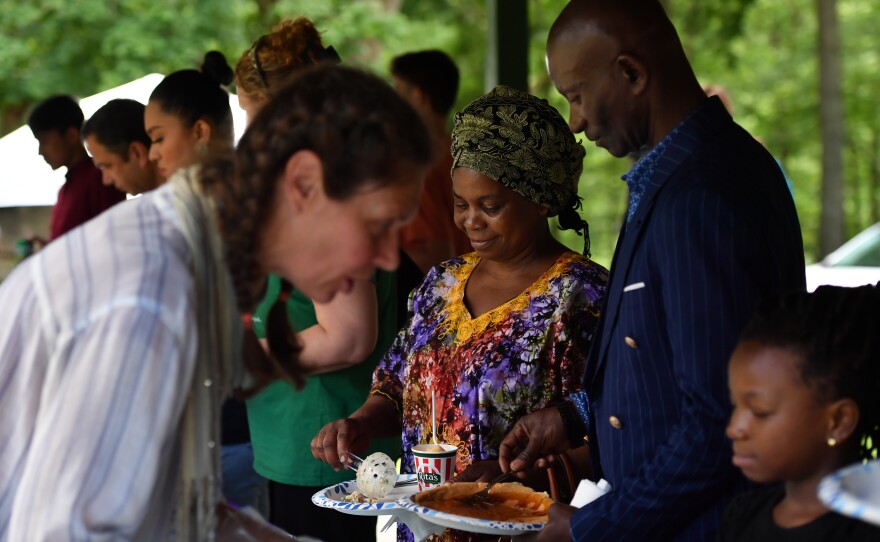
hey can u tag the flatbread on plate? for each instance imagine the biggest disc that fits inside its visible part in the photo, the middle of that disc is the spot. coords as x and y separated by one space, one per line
512 502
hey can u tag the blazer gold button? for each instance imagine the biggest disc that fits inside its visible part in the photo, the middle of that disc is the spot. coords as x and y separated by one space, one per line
615 422
630 342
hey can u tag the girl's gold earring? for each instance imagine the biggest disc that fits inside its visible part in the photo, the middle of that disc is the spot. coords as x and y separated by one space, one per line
832 442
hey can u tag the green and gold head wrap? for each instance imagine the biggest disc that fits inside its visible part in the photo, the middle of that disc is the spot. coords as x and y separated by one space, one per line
522 142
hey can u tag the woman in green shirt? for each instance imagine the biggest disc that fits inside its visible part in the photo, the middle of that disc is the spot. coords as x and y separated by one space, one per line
283 420
341 341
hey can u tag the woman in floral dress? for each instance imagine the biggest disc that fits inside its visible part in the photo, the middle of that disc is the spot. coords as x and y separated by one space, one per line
501 331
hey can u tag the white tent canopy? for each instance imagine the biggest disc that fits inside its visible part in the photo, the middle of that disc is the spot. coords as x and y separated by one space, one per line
27 180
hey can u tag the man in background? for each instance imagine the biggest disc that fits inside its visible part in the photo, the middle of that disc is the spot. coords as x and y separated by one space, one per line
119 146
428 80
56 124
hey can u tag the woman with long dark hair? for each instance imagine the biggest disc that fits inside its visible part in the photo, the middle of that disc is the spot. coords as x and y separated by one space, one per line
122 339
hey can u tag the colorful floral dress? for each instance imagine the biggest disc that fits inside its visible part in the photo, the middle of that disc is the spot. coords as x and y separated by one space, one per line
489 371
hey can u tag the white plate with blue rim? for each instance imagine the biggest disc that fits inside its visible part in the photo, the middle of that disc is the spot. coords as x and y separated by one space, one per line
464 523
334 497
854 491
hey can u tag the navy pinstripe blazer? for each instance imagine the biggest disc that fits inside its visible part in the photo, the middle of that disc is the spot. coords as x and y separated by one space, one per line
715 231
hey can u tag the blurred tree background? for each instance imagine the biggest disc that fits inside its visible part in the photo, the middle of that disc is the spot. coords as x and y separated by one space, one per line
765 52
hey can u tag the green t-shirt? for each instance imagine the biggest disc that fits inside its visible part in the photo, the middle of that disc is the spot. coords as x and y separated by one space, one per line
283 421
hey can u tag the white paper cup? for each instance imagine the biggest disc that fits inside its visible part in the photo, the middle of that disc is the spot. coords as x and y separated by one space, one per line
434 468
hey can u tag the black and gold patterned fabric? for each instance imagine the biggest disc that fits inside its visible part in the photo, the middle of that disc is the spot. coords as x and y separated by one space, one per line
522 142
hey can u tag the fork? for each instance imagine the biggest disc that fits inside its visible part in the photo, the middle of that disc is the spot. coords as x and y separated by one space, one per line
481 497
356 461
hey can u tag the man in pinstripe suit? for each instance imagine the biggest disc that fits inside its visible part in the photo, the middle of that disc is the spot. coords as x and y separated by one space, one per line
710 230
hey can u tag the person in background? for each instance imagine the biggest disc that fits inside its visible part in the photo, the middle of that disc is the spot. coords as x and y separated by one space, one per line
120 147
500 332
805 388
292 45
113 375
428 80
56 123
188 119
709 231
341 341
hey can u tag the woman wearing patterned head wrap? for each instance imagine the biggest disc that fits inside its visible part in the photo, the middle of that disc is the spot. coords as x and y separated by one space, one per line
501 331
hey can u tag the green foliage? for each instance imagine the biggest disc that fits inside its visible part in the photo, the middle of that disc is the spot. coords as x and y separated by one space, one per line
91 45
774 82
763 51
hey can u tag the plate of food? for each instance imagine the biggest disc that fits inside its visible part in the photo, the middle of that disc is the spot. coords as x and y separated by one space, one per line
854 491
510 509
374 492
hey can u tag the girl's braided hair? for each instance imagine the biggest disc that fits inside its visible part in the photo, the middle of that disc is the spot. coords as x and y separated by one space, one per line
834 332
365 134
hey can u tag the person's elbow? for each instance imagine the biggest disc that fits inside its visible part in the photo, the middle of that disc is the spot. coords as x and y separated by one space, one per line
357 349
362 349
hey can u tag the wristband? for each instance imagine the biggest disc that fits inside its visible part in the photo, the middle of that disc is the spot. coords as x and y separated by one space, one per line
581 402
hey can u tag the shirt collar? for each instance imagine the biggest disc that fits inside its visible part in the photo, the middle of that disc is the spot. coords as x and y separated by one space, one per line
77 169
684 135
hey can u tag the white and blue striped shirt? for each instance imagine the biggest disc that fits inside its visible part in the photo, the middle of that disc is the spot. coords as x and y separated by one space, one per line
96 358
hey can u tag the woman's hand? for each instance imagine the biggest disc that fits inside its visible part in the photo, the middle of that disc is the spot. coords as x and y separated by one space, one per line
333 442
378 417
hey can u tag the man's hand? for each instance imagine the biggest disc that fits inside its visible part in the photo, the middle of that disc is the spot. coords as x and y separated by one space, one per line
479 471
558 528
533 441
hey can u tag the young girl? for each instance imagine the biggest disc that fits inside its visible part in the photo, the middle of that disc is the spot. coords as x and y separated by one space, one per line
805 385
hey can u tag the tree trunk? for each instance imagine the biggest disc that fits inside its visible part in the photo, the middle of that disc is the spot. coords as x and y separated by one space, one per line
874 175
831 233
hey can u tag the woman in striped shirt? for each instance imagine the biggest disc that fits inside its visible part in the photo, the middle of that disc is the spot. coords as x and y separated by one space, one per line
120 341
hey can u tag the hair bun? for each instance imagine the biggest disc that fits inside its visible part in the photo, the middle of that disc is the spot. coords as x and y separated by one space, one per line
216 68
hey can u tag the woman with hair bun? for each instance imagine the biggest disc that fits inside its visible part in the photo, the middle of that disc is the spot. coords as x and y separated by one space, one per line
121 340
188 115
188 120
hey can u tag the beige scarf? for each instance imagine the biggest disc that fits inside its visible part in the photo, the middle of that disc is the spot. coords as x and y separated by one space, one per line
218 364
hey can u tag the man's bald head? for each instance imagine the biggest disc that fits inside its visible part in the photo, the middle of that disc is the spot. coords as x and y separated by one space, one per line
639 28
622 68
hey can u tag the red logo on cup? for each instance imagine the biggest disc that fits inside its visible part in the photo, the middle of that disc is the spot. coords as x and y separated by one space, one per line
434 467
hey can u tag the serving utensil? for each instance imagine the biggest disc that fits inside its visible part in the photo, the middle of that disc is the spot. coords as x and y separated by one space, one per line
481 498
433 417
